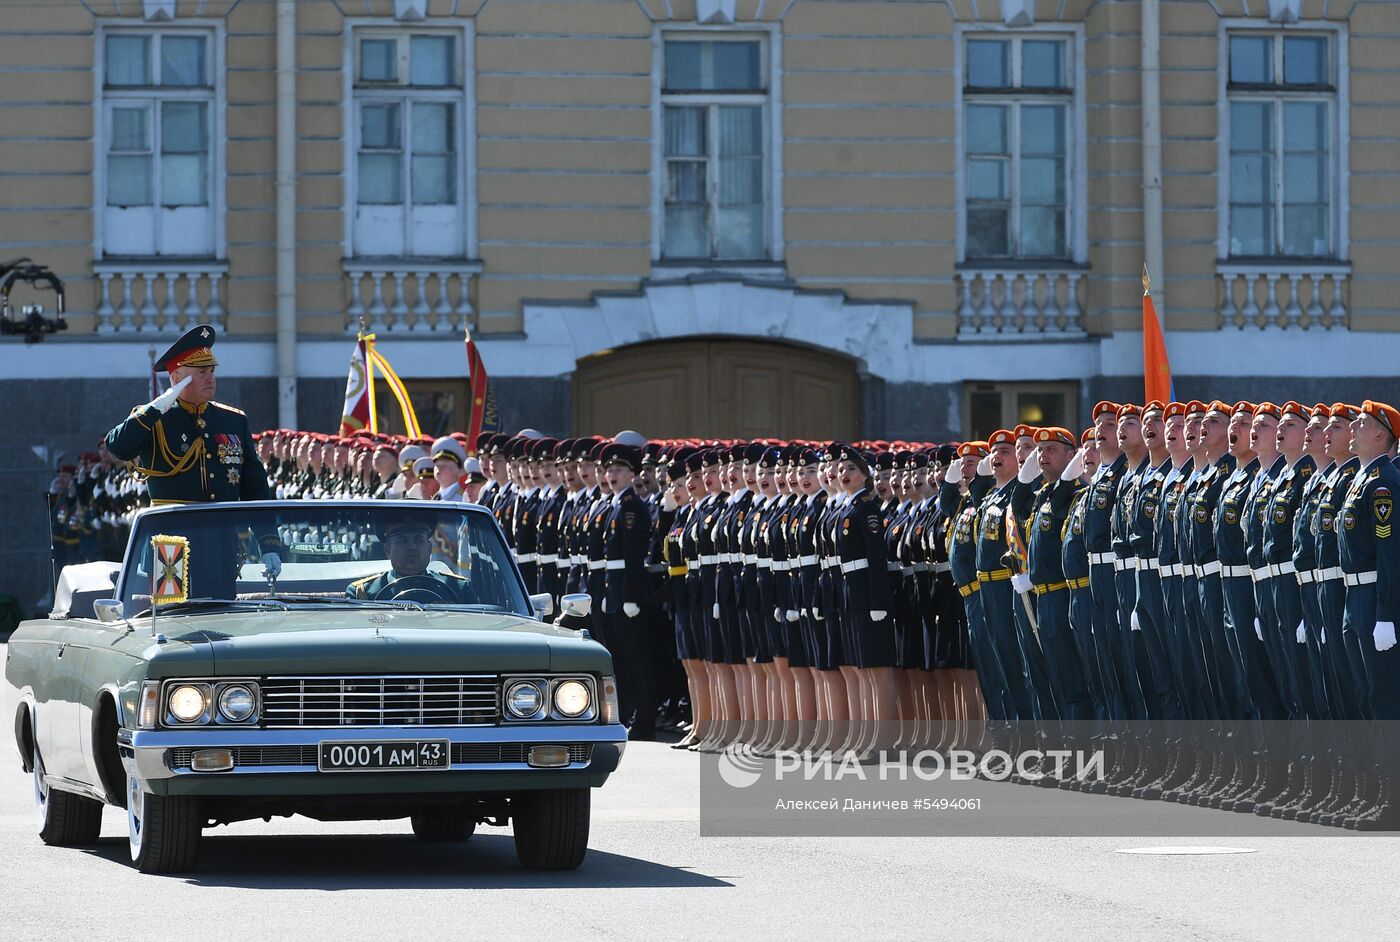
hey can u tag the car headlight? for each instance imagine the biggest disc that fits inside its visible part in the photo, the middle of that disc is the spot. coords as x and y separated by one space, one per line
571 698
237 703
524 699
188 702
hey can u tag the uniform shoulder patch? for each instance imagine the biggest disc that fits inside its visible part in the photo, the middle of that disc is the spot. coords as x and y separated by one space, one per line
228 408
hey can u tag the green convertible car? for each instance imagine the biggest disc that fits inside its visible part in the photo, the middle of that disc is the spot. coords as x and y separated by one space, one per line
340 660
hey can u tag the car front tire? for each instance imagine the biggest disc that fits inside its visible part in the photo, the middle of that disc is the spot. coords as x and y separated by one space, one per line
444 825
163 830
65 819
551 828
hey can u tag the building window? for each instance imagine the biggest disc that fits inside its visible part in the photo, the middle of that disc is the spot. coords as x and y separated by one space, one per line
1018 114
1283 114
715 125
409 165
157 140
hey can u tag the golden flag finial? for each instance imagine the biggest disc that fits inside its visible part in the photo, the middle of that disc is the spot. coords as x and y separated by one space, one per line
1146 281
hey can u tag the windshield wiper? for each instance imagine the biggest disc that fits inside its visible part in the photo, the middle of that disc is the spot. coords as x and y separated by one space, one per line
191 606
346 600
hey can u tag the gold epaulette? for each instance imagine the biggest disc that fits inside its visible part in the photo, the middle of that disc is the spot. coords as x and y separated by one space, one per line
228 408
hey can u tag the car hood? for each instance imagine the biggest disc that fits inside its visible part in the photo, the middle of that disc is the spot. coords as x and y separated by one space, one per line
383 642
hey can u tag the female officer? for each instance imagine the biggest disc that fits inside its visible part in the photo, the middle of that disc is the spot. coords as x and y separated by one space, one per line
866 599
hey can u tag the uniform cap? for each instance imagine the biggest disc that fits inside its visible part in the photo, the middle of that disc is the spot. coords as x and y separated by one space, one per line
1127 409
472 470
974 449
410 454
771 458
626 455
1103 407
652 455
1322 411
1295 408
449 447
884 461
1001 437
423 467
1345 410
1243 405
1025 430
1196 407
194 348
628 437
1156 405
1385 414
1267 408
750 453
1089 437
1174 409
543 450
847 452
1217 405
1055 434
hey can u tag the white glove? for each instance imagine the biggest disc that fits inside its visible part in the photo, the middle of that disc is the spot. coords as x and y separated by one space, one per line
1322 635
165 400
1384 635
1021 582
1030 470
1302 634
818 615
605 606
777 614
1133 621
984 467
272 565
631 609
806 611
668 503
1075 469
716 610
880 616
791 615
954 473
1258 630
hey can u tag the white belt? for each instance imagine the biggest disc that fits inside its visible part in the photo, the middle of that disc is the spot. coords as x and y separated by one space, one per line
692 565
1262 574
778 565
596 564
561 563
615 564
656 567
830 561
578 560
1360 578
1208 569
1307 576
906 570
807 560
708 560
763 563
1235 572
747 560
1121 564
526 558
892 567
1102 559
1328 574
1169 570
1283 569
856 565
736 559
942 567
923 567
546 558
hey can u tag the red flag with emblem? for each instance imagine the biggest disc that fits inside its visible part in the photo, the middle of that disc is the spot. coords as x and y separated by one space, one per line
1157 372
477 381
357 392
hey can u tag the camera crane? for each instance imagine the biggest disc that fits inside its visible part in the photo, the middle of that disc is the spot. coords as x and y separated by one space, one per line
31 323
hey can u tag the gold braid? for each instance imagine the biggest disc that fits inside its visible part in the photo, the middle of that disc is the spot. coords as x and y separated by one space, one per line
177 465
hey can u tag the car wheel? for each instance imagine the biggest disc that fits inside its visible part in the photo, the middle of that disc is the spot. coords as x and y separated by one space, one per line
65 819
442 825
163 830
551 828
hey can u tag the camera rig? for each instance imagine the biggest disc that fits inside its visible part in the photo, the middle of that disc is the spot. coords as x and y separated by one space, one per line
31 323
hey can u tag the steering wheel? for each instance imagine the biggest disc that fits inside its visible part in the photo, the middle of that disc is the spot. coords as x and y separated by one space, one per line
421 588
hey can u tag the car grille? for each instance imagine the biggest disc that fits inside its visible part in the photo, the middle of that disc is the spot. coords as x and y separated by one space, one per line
462 754
434 700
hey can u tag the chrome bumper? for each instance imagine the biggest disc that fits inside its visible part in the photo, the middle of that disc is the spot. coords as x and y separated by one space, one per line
146 752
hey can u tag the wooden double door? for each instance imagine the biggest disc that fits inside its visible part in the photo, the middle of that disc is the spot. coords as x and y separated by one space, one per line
717 389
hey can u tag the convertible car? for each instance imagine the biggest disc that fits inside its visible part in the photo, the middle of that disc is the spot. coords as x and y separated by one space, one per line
339 660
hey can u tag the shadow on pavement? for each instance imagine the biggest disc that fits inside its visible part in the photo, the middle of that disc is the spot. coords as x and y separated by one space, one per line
393 861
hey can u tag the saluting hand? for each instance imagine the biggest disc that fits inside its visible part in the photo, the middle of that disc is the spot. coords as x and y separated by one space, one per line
165 400
984 467
1384 635
878 615
631 609
1075 469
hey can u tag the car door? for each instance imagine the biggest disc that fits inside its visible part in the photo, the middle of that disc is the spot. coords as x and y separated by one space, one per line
95 656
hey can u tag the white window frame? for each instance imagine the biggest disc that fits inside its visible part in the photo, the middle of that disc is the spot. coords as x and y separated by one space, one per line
464 96
1339 151
772 64
214 33
1076 137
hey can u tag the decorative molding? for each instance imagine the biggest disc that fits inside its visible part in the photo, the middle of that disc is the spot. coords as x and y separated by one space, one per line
1285 11
1018 12
715 12
410 11
158 11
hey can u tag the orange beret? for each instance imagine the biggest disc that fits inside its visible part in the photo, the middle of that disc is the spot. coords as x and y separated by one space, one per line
1026 430
1127 409
1154 406
1383 413
1345 410
1054 434
1295 408
1195 407
1103 407
1217 405
1242 406
973 449
1174 409
1001 437
1090 435
1322 411
1267 408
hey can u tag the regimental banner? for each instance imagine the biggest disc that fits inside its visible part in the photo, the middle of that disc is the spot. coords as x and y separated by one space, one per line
170 574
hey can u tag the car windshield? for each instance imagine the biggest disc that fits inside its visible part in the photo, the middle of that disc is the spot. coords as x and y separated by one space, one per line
373 555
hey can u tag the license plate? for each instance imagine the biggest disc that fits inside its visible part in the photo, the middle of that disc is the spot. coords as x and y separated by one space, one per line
387 756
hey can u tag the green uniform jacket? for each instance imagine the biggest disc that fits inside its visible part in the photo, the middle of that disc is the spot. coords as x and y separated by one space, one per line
367 587
192 454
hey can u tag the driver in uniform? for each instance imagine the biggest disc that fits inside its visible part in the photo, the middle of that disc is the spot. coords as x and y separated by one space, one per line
409 545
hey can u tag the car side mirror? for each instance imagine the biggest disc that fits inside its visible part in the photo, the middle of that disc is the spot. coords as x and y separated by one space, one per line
577 605
542 605
108 610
